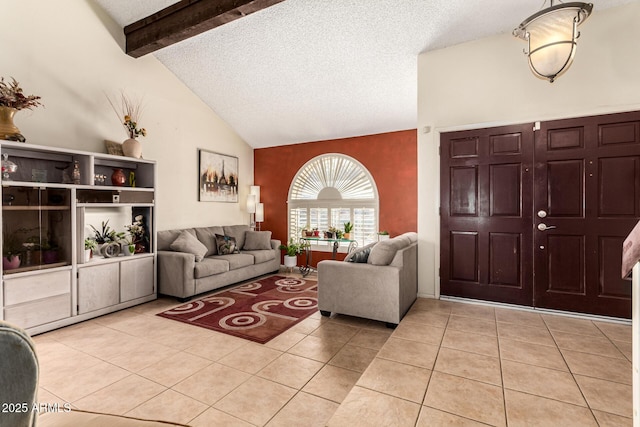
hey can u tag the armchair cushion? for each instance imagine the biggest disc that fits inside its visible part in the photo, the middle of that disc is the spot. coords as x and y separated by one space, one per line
187 242
383 252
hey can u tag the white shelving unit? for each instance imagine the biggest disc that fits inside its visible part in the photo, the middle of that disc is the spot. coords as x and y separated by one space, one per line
42 208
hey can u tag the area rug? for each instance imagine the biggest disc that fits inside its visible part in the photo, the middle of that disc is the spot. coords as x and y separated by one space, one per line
258 311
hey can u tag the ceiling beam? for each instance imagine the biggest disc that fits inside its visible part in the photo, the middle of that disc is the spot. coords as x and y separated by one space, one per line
186 19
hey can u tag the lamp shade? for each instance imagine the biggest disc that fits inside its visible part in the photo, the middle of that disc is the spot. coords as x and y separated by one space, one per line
255 190
260 212
251 203
551 34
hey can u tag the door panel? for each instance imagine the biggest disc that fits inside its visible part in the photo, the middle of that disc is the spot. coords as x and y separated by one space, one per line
486 235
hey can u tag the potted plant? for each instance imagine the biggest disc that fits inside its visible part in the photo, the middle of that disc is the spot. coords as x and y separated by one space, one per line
105 236
316 232
11 251
138 234
89 246
292 250
49 251
383 235
347 230
128 245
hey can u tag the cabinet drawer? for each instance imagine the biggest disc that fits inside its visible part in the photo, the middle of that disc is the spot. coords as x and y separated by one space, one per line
39 312
38 286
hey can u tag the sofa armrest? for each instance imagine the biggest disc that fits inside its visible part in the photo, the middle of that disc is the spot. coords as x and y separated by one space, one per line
176 274
275 243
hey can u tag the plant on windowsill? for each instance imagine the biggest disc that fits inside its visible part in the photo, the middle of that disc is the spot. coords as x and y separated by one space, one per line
347 230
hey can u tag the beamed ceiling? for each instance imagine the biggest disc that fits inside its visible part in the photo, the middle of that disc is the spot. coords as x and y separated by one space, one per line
288 71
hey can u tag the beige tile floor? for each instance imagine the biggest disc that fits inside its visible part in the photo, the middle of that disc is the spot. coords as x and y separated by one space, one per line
447 363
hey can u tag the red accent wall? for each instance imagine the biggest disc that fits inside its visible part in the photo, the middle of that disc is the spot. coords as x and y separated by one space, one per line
391 158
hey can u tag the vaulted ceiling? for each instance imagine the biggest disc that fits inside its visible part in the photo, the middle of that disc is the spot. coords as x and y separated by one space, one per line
310 70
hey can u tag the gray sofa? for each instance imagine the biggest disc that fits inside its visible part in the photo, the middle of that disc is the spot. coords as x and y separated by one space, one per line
378 281
187 266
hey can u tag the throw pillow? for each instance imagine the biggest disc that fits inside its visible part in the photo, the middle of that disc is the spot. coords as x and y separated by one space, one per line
360 255
187 242
257 240
226 245
383 253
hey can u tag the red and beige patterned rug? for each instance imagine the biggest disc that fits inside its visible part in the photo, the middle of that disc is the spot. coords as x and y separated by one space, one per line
258 311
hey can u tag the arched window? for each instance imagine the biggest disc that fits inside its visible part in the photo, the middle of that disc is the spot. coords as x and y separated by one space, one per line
330 190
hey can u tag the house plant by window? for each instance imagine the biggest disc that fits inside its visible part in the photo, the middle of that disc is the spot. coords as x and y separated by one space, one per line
383 235
292 251
12 99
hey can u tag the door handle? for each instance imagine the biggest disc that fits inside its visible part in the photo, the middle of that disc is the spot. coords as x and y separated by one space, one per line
543 227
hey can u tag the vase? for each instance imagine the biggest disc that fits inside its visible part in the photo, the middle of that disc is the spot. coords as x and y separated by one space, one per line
87 255
132 148
118 179
10 262
8 130
50 256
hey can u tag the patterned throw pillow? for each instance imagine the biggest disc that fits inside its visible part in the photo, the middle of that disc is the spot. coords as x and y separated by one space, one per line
360 255
226 245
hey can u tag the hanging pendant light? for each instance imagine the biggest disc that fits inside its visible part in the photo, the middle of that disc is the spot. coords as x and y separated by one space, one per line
551 34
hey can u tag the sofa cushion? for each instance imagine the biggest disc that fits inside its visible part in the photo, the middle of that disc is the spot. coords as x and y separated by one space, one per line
226 245
237 232
256 240
210 266
207 235
360 255
187 242
383 252
237 260
167 237
261 256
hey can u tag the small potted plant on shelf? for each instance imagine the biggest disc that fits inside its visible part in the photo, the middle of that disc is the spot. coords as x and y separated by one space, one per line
105 236
50 253
347 230
90 245
11 251
316 232
138 234
128 245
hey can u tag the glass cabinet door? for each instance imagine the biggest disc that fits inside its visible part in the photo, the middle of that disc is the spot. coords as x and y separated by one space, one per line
36 228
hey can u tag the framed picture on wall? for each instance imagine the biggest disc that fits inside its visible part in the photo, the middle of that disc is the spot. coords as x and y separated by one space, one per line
218 177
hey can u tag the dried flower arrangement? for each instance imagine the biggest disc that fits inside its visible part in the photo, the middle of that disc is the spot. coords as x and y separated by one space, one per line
131 111
12 96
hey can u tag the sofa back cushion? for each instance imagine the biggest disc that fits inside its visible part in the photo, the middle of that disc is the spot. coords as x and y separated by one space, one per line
237 232
207 235
187 242
167 237
256 240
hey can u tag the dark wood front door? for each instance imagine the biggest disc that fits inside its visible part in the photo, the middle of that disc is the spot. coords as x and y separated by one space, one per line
587 199
538 218
486 206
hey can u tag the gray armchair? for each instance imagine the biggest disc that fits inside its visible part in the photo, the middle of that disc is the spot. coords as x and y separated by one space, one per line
18 377
383 288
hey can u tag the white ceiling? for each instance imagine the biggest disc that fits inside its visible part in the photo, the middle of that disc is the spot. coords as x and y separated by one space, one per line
310 70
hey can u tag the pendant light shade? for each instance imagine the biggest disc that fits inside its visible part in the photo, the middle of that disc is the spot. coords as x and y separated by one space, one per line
551 34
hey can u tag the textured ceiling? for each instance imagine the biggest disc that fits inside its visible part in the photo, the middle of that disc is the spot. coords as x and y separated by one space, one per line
309 70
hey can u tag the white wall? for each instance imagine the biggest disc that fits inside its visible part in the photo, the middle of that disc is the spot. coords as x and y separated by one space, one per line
488 82
69 52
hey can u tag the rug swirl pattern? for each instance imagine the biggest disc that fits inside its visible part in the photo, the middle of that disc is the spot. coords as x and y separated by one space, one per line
258 311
